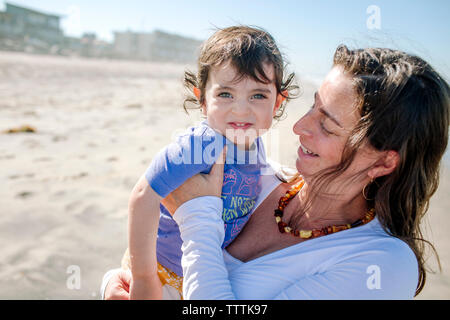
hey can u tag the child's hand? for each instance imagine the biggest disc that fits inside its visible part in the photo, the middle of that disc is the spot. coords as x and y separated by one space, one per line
149 288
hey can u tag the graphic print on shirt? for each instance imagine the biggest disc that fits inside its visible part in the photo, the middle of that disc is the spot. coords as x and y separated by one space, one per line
239 193
229 181
247 185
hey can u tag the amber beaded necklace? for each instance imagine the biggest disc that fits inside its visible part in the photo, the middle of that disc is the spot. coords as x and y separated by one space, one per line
309 234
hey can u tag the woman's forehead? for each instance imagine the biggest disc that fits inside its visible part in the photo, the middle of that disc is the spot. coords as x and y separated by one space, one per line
338 97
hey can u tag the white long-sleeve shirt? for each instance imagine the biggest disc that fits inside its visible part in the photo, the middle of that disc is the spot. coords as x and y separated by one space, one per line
360 263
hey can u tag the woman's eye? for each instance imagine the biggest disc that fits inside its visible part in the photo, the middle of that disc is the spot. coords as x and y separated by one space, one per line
322 126
325 129
225 95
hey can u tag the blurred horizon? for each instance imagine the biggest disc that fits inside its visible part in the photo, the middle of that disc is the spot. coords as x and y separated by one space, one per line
307 33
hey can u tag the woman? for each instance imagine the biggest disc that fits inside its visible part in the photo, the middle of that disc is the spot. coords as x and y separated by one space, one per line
349 227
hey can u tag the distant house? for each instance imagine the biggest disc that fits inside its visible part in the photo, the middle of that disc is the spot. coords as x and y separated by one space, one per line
20 22
25 29
155 46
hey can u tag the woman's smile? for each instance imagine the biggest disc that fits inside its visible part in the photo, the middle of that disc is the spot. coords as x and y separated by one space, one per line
303 151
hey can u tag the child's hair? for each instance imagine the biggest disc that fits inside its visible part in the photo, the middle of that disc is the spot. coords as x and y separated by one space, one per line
247 49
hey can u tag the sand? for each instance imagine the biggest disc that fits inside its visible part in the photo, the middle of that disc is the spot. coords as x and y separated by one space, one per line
65 187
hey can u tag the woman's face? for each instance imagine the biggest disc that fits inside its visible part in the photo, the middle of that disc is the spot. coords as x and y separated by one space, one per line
324 130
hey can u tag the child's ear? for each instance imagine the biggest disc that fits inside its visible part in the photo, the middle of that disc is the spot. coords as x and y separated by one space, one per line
197 93
280 98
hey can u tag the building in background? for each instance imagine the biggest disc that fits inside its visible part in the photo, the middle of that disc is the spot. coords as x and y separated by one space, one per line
155 46
32 31
39 29
87 46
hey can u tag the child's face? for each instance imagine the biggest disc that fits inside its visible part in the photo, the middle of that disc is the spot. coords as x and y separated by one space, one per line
243 110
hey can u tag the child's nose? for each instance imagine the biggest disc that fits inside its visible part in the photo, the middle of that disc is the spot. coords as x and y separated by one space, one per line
241 108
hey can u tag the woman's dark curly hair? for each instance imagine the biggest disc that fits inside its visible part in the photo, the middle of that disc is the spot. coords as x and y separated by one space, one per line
404 106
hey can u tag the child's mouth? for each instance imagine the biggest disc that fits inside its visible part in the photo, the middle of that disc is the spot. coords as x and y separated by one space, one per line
240 125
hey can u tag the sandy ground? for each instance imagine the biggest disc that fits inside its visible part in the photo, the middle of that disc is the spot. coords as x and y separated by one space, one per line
65 188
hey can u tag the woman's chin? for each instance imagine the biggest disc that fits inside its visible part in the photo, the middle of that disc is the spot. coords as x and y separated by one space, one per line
302 170
298 165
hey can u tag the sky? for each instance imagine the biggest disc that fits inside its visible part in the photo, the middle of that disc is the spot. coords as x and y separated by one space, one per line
307 32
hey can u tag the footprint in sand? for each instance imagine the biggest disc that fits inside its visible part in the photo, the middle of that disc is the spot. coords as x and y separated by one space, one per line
17 176
42 159
58 194
80 175
134 106
90 215
31 143
24 194
59 138
73 205
8 157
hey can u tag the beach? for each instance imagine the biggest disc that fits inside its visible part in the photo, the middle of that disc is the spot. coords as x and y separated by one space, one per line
94 126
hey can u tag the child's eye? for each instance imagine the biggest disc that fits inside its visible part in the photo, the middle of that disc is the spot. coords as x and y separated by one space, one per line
225 95
258 96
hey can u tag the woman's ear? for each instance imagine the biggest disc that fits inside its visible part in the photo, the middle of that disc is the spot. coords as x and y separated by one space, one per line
385 165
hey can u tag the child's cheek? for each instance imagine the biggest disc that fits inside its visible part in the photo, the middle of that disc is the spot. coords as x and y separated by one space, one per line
268 122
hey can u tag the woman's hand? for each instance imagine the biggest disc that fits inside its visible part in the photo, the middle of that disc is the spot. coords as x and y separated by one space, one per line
118 287
198 186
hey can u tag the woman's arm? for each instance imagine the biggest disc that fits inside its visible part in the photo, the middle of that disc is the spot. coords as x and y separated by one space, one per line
204 273
386 270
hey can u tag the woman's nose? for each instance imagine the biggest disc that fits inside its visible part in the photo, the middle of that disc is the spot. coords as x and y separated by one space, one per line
303 126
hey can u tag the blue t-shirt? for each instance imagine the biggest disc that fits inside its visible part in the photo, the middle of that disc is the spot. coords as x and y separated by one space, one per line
195 151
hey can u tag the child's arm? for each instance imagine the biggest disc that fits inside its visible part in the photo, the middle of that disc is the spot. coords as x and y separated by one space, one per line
143 220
